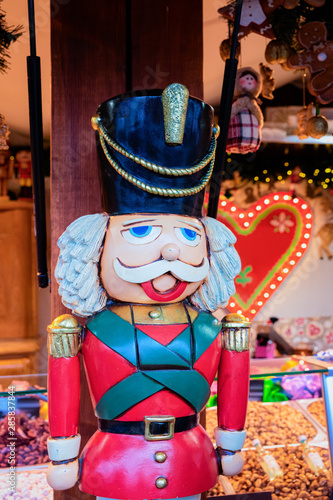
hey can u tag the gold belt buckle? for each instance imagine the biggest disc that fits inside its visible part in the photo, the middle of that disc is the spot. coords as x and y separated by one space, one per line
165 419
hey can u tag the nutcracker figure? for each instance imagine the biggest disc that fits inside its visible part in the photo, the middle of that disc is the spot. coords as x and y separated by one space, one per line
23 160
147 275
6 160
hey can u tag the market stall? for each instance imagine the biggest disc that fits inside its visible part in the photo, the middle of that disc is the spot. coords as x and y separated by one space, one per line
147 348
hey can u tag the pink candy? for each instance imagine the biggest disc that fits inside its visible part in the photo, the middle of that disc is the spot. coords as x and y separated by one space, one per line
30 485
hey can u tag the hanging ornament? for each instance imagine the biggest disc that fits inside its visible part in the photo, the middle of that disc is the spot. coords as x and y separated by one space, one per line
246 119
303 117
225 48
278 52
268 81
254 16
318 58
317 126
291 4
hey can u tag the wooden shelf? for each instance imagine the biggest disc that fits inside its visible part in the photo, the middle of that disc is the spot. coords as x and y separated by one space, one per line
18 291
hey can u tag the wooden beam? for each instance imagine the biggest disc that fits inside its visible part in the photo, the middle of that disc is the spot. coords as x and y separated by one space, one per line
88 67
167 44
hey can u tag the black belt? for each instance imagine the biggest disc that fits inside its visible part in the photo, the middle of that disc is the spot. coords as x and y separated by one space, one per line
153 428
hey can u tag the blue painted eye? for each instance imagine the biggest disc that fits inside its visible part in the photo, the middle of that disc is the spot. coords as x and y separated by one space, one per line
140 231
140 235
188 236
188 233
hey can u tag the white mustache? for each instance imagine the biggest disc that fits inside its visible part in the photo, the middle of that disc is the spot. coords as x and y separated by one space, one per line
148 272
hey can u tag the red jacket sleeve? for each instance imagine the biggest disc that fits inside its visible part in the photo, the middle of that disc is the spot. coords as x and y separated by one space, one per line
64 396
233 389
64 344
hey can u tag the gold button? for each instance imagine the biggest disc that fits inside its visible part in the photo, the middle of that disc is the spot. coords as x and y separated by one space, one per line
160 457
155 314
161 482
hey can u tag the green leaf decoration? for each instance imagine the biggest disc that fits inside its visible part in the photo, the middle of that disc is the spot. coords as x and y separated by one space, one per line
244 277
8 35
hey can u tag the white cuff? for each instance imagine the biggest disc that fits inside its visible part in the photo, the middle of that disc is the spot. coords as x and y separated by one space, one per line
230 440
63 448
232 464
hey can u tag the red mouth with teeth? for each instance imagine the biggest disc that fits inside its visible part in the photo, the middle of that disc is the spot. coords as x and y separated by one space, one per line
172 294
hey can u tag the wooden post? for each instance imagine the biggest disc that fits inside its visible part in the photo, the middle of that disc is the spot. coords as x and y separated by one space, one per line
89 58
167 45
88 66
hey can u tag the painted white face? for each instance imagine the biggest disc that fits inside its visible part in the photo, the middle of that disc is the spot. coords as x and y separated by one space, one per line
248 82
153 258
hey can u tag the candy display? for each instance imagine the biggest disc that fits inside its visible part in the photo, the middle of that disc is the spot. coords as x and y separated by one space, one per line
325 355
317 409
272 391
312 457
298 481
278 426
273 423
31 447
276 423
267 461
30 485
302 386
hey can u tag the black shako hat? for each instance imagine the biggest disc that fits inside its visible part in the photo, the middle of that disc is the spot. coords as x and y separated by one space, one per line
156 150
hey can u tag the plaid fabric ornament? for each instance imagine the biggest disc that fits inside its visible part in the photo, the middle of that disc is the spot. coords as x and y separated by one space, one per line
244 135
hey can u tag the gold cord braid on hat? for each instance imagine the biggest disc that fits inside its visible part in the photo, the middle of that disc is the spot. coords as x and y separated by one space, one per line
171 192
177 172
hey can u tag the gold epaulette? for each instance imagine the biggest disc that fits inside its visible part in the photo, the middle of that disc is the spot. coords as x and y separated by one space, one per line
236 333
64 337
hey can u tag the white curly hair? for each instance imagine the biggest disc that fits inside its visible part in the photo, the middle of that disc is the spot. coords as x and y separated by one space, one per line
81 245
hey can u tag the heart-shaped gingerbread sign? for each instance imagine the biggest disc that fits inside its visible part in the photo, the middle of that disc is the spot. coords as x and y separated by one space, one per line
272 237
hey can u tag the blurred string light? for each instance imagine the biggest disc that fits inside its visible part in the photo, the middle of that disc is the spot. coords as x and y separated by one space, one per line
274 163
